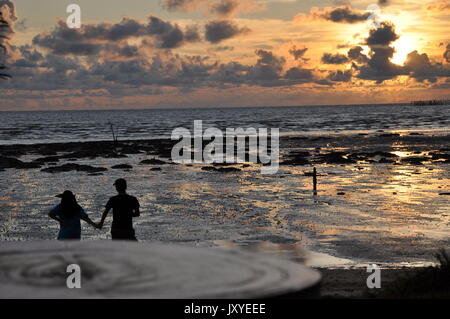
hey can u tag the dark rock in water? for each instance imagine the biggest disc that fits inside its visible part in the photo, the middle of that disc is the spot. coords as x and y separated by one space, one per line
246 165
129 149
9 162
74 167
152 161
94 153
384 154
221 169
49 159
299 154
228 169
385 161
294 138
336 158
341 193
415 160
295 161
389 135
444 193
122 166
28 166
439 156
95 174
223 164
297 158
415 134
156 169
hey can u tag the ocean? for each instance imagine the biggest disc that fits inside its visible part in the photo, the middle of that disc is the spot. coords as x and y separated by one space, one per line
63 126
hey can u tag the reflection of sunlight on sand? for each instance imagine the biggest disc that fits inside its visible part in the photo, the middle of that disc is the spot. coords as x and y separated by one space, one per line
294 251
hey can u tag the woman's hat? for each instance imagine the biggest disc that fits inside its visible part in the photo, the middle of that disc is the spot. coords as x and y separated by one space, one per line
66 194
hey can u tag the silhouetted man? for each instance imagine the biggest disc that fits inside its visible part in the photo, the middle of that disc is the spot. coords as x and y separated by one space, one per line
124 207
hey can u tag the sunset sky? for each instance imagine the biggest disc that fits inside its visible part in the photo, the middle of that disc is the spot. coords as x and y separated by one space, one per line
210 53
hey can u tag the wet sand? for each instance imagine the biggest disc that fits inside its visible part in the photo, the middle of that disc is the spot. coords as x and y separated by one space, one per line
381 198
351 283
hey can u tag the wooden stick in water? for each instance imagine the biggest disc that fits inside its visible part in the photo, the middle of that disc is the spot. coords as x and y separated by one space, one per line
315 181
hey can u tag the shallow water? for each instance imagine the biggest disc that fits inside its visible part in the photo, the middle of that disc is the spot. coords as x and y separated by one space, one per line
388 214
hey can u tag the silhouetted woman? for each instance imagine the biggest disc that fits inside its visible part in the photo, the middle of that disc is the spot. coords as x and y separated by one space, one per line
68 213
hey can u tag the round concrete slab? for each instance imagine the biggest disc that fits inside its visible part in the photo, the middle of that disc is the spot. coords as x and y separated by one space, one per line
131 270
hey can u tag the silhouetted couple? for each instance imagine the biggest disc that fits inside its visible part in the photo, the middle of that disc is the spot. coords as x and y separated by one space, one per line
69 215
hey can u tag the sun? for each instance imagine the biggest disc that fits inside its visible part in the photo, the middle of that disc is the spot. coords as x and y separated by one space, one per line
403 47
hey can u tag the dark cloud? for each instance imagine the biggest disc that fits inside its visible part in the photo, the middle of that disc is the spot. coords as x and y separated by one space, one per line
340 76
342 14
355 54
337 58
447 54
382 36
421 68
299 74
221 8
219 30
168 35
8 11
346 15
297 53
91 39
378 66
225 8
268 66
180 5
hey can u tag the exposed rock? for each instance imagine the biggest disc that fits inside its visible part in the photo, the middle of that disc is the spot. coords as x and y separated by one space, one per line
439 156
336 158
415 160
9 162
221 169
122 166
29 166
48 159
152 161
228 169
296 161
74 167
385 161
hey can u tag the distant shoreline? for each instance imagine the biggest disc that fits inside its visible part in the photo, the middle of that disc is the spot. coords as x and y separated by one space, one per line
62 109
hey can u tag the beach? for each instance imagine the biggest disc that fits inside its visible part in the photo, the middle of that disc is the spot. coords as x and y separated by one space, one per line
382 197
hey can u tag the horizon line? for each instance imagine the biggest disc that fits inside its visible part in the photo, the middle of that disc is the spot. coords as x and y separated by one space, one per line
205 108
